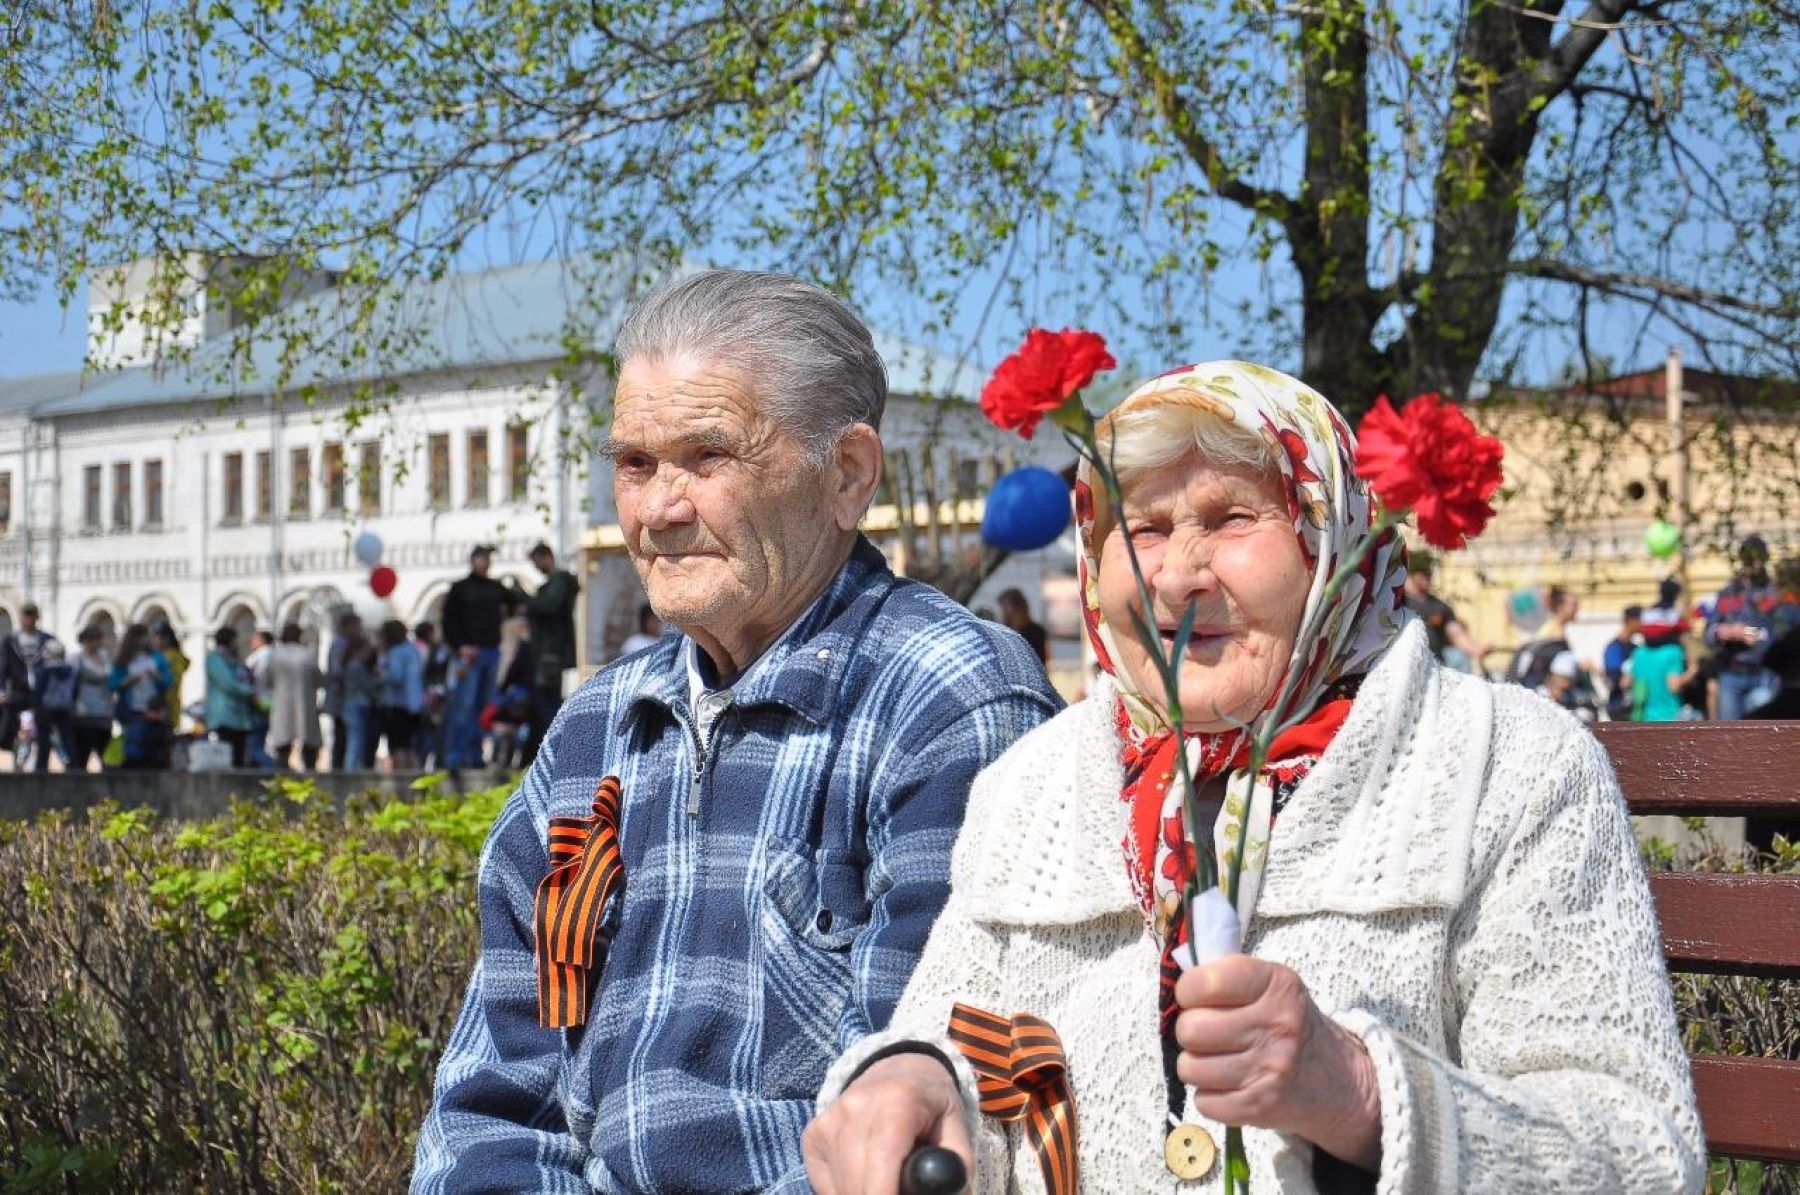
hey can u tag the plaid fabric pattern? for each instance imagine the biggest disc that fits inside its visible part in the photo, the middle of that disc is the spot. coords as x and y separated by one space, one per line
752 941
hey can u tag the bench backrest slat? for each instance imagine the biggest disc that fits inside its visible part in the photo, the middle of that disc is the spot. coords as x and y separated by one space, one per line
1725 924
1709 769
1729 924
1748 1106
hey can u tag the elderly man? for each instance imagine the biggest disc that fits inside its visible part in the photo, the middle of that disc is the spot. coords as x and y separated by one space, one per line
658 1013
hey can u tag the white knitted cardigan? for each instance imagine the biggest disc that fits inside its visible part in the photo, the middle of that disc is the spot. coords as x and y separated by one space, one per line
1456 882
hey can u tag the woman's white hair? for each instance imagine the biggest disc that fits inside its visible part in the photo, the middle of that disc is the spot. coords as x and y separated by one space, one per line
1150 435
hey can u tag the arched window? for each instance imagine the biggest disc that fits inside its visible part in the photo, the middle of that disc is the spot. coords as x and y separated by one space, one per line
242 619
317 611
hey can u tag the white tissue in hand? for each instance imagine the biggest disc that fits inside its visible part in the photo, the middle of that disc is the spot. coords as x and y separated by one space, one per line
1214 931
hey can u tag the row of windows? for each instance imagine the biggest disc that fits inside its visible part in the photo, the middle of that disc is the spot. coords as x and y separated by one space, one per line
334 477
477 478
92 497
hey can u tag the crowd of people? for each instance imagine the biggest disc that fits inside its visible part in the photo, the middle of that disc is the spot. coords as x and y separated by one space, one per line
479 693
1735 654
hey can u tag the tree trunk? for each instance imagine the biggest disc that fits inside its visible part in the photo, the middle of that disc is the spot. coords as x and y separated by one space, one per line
1475 200
1328 226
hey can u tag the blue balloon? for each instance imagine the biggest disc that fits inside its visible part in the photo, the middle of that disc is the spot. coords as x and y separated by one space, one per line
1026 510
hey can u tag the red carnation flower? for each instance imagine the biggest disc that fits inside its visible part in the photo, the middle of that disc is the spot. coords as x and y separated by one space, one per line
1429 459
1041 375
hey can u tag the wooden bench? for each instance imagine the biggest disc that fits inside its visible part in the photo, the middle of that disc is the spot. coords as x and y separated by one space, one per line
1725 924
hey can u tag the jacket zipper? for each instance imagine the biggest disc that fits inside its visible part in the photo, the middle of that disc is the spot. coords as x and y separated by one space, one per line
702 757
693 801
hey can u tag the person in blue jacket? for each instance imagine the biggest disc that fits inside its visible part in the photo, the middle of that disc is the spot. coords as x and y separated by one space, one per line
141 680
230 696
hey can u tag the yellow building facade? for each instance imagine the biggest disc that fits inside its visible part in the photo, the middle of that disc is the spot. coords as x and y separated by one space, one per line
1590 469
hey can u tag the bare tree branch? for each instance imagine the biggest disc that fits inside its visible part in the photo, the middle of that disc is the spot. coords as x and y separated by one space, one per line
1175 108
1614 282
1587 33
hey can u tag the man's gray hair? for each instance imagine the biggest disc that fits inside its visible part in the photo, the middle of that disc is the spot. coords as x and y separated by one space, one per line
815 365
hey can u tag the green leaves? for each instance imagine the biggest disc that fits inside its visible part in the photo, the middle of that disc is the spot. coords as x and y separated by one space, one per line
1371 168
252 996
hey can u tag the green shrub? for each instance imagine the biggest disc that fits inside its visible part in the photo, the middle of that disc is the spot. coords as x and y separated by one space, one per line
255 1003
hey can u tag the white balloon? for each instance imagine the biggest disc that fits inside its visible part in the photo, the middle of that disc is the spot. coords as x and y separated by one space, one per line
367 547
371 609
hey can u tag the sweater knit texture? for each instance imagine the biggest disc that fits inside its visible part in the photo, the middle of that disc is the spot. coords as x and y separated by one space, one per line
1456 882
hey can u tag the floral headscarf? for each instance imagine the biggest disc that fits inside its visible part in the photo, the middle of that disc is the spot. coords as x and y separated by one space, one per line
1331 509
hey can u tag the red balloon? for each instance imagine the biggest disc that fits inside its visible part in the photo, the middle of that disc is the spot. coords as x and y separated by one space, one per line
382 580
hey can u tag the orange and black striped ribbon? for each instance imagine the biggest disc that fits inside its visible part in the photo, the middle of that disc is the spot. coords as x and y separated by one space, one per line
1022 1074
584 869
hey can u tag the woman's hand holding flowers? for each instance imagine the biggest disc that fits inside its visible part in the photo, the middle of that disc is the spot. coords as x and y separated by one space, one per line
1258 1052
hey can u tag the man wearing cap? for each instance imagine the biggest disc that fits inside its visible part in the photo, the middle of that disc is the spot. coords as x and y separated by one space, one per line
1566 683
1739 628
723 864
474 609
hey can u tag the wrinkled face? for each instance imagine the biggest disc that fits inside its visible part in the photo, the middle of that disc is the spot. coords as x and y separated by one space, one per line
1218 536
723 514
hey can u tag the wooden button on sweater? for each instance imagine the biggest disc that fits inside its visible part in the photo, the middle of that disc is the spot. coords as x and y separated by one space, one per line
1189 1151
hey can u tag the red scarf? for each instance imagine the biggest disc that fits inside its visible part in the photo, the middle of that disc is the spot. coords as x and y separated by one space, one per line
1150 768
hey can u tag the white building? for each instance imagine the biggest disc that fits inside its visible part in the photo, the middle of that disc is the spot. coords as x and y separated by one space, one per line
156 491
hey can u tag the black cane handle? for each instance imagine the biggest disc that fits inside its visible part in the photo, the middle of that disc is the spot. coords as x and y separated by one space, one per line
933 1170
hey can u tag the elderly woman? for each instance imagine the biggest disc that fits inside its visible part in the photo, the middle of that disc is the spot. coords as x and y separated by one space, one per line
1451 979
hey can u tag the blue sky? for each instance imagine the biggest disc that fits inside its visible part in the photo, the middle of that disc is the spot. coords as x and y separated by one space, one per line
41 337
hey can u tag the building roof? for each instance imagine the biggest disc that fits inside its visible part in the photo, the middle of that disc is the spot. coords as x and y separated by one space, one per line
21 395
470 321
1650 387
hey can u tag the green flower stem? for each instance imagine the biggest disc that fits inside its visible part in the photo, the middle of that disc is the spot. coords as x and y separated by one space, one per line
1075 420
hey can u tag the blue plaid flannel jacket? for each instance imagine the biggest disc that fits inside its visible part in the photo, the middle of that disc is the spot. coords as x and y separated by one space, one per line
755 938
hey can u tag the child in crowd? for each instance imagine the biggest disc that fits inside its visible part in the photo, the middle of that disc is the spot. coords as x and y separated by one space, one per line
1568 686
